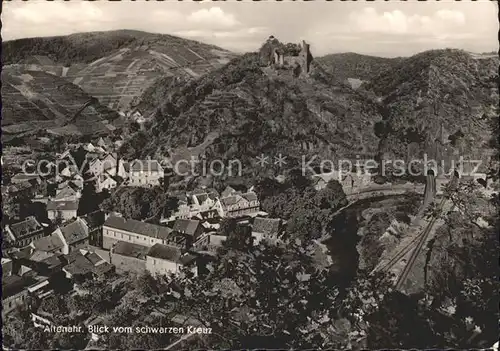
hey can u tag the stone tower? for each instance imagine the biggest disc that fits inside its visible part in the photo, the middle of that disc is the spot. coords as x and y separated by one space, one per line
305 56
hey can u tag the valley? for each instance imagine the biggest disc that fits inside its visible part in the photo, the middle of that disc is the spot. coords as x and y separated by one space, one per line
107 196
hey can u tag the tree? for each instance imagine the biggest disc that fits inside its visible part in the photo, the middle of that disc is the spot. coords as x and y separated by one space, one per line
239 238
400 323
89 201
271 295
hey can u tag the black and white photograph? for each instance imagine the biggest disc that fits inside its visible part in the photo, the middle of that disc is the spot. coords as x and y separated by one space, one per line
228 175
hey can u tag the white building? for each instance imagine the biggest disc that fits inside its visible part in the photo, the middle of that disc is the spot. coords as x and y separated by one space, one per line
145 173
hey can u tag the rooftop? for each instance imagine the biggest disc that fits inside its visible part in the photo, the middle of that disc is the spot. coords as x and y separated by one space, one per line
231 200
186 226
79 266
145 165
131 250
20 177
94 219
48 243
75 231
25 228
138 227
169 253
15 284
250 196
62 205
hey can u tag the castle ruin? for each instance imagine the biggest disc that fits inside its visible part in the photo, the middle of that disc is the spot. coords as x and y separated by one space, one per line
287 56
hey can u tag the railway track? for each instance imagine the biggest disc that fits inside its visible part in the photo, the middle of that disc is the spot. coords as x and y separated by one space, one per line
417 243
422 239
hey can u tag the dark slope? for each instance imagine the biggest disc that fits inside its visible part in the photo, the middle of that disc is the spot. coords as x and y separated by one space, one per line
244 109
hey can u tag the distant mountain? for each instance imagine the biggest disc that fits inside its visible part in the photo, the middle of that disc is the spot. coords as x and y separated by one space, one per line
245 109
34 101
356 67
116 66
439 101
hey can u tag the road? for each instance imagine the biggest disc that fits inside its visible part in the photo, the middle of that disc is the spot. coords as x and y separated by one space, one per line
370 192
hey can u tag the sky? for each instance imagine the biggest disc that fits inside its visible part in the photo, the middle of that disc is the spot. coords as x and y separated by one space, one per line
389 29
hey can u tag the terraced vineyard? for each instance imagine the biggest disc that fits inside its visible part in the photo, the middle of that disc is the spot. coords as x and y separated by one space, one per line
123 69
34 100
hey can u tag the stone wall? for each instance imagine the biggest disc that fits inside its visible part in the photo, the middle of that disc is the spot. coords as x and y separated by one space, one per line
127 263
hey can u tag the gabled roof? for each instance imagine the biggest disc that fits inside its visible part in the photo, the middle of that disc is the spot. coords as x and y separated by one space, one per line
75 231
25 228
186 226
232 200
79 265
165 252
169 253
94 219
145 165
38 256
326 177
227 191
48 243
269 226
14 284
202 197
103 268
131 250
23 177
138 227
250 196
94 258
65 192
19 186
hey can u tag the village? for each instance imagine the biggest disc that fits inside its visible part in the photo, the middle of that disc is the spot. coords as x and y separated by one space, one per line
59 242
51 241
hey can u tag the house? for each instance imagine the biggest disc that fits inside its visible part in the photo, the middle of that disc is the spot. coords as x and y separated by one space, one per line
200 205
228 191
15 292
67 191
43 263
89 147
85 265
24 177
62 209
69 171
136 232
145 173
163 259
321 180
189 229
209 242
23 233
238 205
50 244
95 221
266 228
74 235
106 181
6 267
107 163
128 257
